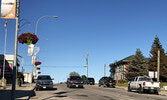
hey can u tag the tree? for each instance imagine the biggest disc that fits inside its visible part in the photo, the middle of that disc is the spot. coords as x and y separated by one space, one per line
153 59
137 67
83 77
74 74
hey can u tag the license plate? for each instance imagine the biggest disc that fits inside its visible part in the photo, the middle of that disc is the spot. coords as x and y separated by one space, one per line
76 85
44 87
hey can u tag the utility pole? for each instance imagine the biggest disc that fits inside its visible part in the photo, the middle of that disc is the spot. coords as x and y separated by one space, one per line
158 66
104 70
87 64
15 51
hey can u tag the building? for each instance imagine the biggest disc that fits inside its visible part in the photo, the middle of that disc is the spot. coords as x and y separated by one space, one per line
9 62
118 68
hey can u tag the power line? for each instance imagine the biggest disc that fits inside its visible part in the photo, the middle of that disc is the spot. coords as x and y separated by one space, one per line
59 66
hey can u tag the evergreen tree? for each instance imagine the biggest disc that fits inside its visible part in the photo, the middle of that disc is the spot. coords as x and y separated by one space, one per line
137 67
83 77
153 59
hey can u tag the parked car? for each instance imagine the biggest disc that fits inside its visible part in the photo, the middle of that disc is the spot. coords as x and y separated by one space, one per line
144 83
74 81
107 81
44 82
90 81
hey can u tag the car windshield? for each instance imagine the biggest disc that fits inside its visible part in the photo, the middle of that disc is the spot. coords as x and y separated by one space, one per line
44 78
91 79
75 77
145 79
108 78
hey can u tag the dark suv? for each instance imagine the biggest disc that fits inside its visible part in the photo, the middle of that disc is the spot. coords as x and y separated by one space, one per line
74 81
44 82
107 81
90 81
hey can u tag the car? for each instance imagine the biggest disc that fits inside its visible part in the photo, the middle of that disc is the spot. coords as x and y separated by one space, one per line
44 82
107 81
144 83
74 81
90 81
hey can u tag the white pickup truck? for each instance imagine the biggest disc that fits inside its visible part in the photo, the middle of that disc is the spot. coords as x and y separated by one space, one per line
143 83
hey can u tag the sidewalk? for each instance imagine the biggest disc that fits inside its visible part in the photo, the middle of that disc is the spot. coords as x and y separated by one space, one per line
21 93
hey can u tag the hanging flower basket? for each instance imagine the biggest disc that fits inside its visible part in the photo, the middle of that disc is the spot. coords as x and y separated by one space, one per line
37 63
28 38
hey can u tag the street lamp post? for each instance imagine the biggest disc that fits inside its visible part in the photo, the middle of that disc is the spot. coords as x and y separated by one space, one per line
40 19
36 33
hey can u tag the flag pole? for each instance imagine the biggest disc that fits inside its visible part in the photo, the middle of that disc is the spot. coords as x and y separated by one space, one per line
4 49
3 74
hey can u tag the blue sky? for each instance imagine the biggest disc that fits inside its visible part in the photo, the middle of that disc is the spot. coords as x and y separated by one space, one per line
108 30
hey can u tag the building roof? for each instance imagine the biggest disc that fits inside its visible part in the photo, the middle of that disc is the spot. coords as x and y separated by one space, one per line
123 61
132 57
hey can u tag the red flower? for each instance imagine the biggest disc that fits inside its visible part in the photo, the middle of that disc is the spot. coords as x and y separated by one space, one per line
28 38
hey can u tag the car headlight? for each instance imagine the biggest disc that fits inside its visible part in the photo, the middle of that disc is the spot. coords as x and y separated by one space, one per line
51 82
71 82
38 82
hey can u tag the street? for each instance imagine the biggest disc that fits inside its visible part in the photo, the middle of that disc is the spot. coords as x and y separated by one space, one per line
92 92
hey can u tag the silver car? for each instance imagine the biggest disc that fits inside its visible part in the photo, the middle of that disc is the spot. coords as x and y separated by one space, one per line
44 82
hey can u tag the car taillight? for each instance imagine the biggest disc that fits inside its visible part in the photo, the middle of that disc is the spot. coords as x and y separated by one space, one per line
105 81
144 83
159 84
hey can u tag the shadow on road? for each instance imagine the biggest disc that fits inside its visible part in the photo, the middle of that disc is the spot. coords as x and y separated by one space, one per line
6 94
77 87
145 92
48 89
58 94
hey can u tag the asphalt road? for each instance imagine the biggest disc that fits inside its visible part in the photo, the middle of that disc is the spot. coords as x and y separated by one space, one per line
89 92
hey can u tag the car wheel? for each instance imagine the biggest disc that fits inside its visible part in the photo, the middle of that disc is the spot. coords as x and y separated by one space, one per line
140 90
156 92
69 86
129 90
37 89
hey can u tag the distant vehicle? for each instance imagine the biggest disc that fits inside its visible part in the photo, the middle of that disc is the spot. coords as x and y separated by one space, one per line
74 81
90 81
107 81
142 84
44 82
